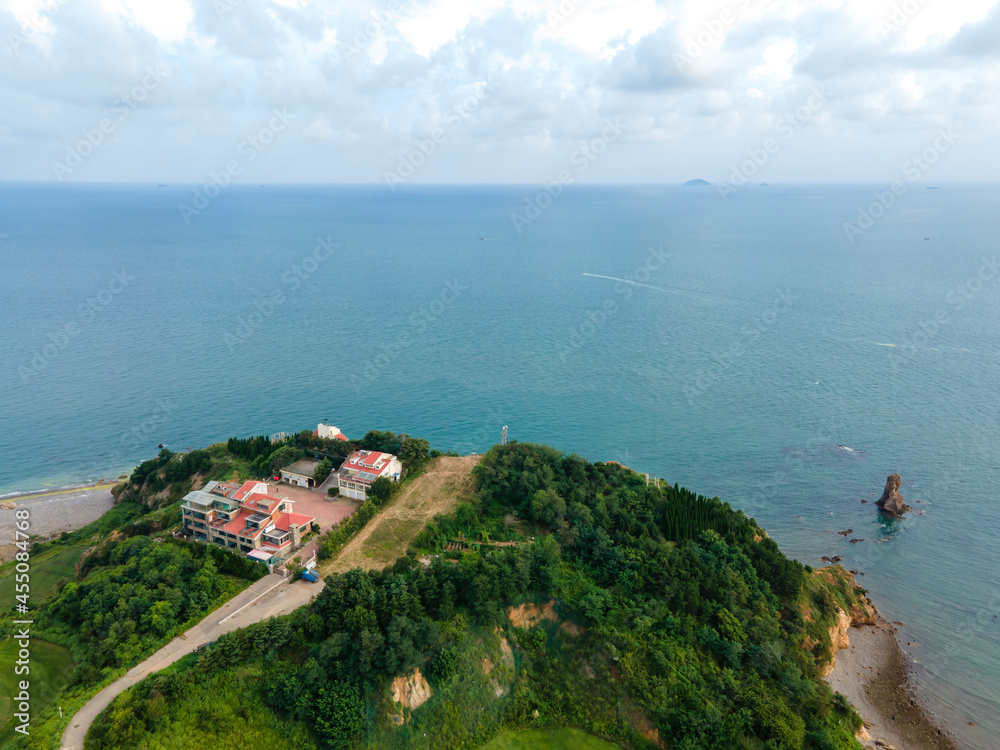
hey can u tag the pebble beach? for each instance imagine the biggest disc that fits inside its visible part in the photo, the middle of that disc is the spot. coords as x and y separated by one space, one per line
53 512
875 676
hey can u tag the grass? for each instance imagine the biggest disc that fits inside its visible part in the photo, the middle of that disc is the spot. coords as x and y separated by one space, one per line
225 711
50 667
49 570
391 538
435 488
548 739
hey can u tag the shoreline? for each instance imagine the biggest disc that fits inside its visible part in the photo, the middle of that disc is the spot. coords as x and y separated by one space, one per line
13 497
52 512
874 674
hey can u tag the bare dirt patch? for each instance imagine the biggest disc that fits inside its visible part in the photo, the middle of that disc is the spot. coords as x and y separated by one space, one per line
445 481
409 693
528 615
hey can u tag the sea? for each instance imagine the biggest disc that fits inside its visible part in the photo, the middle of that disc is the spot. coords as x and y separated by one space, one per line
785 348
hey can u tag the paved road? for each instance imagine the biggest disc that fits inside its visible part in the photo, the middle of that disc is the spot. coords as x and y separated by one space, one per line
268 597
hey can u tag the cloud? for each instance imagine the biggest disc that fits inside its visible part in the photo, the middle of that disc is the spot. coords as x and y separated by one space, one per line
364 81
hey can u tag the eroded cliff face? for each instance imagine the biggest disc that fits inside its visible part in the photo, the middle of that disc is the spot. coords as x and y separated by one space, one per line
859 613
409 692
839 637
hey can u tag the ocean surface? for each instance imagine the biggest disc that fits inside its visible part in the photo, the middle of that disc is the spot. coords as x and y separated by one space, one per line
744 348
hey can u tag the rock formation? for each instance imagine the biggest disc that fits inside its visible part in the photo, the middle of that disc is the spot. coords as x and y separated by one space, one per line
892 503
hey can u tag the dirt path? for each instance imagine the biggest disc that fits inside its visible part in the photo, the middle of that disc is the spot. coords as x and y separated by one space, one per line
387 536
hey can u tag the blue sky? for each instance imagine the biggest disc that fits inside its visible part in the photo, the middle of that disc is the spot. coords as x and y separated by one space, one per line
495 90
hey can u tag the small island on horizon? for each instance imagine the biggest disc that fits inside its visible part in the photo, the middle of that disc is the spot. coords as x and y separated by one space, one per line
698 182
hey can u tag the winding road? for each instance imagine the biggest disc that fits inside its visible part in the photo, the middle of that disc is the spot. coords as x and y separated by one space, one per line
269 597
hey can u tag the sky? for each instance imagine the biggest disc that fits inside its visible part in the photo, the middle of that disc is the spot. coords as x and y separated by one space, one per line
498 91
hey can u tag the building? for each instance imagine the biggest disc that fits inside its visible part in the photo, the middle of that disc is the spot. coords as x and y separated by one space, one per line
246 517
329 431
301 473
364 467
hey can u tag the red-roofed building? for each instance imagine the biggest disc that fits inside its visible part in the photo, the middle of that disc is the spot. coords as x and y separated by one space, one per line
325 430
364 467
246 517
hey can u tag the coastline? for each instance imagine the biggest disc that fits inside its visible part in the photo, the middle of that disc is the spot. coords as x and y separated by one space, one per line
54 511
14 497
875 676
872 671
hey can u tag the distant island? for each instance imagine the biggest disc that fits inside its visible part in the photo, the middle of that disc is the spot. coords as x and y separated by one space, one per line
696 183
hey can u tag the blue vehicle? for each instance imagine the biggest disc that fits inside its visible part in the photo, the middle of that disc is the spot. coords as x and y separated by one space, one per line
311 576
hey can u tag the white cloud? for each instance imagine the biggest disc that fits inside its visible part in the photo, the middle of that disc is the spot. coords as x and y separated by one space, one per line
364 80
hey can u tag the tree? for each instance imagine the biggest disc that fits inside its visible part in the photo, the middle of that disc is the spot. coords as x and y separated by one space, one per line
381 489
323 470
414 451
339 714
282 457
547 507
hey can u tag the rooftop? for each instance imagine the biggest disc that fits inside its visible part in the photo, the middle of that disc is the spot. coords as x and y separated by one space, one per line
304 467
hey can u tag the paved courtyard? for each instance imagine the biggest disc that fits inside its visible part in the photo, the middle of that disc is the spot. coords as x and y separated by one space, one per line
316 503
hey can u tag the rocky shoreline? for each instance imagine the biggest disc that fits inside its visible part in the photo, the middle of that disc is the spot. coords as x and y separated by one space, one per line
875 676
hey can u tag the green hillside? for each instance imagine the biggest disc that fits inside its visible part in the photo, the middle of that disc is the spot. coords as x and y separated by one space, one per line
564 595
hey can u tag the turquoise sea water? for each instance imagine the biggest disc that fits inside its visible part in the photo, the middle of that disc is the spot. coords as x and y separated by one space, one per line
759 356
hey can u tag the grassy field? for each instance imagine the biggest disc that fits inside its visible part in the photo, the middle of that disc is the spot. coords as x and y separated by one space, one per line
48 570
50 667
548 739
387 536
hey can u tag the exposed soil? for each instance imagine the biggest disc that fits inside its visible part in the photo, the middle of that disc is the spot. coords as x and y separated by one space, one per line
387 536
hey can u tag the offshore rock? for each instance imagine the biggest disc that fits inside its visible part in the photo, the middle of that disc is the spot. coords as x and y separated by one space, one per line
892 503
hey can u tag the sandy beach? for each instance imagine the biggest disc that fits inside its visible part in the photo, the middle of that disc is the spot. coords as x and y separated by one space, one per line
874 675
55 511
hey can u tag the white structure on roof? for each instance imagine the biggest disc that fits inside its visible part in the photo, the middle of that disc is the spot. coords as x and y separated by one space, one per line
325 430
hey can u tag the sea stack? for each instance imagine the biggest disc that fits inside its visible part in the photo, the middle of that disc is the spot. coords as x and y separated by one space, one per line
892 503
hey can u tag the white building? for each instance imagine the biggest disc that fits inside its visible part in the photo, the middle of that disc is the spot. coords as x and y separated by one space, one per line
364 467
329 431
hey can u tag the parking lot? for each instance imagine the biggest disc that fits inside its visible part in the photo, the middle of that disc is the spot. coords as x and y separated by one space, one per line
327 511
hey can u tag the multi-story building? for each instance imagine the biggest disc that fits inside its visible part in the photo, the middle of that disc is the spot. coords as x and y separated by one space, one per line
245 517
364 467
